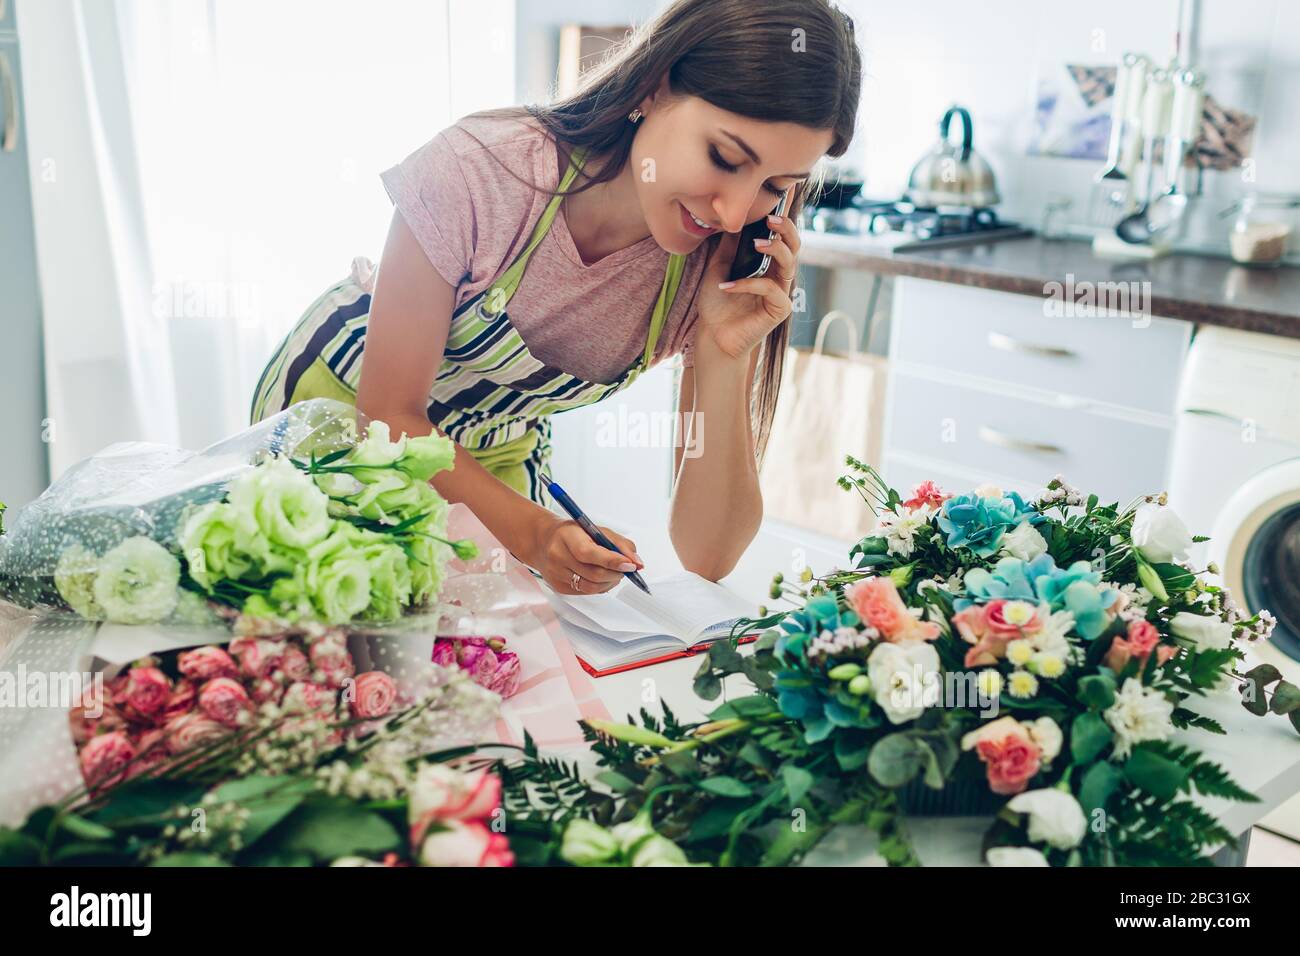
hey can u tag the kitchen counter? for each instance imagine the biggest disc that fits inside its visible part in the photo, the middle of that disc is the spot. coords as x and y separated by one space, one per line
1195 288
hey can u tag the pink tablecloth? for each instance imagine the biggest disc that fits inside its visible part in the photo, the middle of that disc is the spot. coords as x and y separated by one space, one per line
554 692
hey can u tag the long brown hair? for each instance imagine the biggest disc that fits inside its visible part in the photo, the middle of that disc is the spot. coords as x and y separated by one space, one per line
792 61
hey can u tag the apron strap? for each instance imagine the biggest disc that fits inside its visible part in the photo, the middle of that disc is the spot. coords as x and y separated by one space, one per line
504 287
672 279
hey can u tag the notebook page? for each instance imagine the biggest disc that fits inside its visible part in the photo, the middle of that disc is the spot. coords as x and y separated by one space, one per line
608 613
690 605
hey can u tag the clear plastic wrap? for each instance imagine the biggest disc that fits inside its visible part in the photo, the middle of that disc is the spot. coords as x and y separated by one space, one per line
133 489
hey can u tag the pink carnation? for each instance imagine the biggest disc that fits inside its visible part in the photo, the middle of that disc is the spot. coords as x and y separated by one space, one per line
307 698
878 603
104 758
373 694
1141 641
190 731
205 663
484 659
257 656
151 750
145 693
926 493
294 664
331 663
182 699
225 701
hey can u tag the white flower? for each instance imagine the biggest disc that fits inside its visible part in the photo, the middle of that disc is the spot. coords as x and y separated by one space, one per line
74 576
1022 685
1048 665
898 678
1020 651
1051 639
1023 542
1015 856
1202 631
1159 534
137 582
1055 817
988 491
899 530
1139 713
1047 734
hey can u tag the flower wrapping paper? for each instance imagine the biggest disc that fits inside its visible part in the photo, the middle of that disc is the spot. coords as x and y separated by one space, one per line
38 757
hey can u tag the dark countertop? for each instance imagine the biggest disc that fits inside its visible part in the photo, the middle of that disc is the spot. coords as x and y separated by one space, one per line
1196 288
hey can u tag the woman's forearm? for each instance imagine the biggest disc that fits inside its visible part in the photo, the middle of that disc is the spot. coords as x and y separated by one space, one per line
514 520
717 506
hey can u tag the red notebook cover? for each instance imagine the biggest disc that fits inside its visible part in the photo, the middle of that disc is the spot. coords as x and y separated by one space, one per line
675 655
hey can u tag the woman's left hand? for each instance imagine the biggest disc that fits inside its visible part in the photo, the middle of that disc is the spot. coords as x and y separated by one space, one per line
741 315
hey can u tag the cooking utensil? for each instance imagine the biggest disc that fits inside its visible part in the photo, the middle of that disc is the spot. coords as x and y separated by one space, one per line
1156 99
1166 209
1118 113
953 174
1113 193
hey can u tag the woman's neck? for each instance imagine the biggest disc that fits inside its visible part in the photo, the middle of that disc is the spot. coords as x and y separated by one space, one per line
605 218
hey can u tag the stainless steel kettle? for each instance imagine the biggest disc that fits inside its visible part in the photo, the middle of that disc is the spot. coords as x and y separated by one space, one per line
953 174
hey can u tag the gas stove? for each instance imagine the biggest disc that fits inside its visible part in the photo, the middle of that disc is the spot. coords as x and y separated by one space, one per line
901 226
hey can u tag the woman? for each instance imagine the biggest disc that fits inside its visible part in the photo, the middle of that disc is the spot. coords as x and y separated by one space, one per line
540 258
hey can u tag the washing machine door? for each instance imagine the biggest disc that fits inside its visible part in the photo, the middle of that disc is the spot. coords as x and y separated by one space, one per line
1256 543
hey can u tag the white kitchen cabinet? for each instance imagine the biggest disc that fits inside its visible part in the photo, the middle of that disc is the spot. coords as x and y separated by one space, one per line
989 387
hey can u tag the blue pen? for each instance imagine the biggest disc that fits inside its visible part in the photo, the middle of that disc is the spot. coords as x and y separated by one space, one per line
577 514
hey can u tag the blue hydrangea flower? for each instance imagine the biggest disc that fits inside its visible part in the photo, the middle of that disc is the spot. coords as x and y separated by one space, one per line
1077 589
978 522
802 694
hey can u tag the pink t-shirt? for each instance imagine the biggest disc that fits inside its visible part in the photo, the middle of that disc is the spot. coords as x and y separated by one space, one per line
472 218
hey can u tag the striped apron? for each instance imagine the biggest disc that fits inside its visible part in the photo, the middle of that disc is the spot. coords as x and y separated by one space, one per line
491 395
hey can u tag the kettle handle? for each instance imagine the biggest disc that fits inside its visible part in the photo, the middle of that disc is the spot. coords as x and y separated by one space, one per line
967 132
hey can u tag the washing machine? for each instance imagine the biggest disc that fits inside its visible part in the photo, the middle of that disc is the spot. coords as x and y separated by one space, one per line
1235 475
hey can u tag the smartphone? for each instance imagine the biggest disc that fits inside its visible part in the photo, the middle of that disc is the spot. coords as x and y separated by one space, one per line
749 262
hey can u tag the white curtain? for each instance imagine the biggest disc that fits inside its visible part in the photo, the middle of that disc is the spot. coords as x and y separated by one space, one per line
252 133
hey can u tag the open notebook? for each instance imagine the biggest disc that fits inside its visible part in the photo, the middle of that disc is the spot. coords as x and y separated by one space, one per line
625 627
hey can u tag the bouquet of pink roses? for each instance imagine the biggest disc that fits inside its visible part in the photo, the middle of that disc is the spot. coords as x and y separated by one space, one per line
162 708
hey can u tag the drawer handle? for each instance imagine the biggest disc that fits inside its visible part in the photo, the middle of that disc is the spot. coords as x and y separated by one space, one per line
1212 413
9 138
994 437
1007 344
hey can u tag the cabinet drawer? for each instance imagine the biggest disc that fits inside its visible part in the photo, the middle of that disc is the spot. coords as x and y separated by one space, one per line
1010 338
978 431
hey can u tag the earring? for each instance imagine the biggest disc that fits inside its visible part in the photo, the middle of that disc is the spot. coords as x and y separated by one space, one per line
635 115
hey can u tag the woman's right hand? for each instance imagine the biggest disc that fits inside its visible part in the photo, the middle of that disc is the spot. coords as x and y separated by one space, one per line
563 548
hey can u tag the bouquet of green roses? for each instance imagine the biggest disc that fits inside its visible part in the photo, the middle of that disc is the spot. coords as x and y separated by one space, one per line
294 519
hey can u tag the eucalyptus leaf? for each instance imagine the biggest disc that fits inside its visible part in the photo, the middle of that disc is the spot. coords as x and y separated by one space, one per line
725 787
333 829
798 782
1286 698
1089 736
1099 782
1097 691
895 759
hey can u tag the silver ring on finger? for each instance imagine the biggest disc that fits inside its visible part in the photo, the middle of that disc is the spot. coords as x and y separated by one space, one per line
577 585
